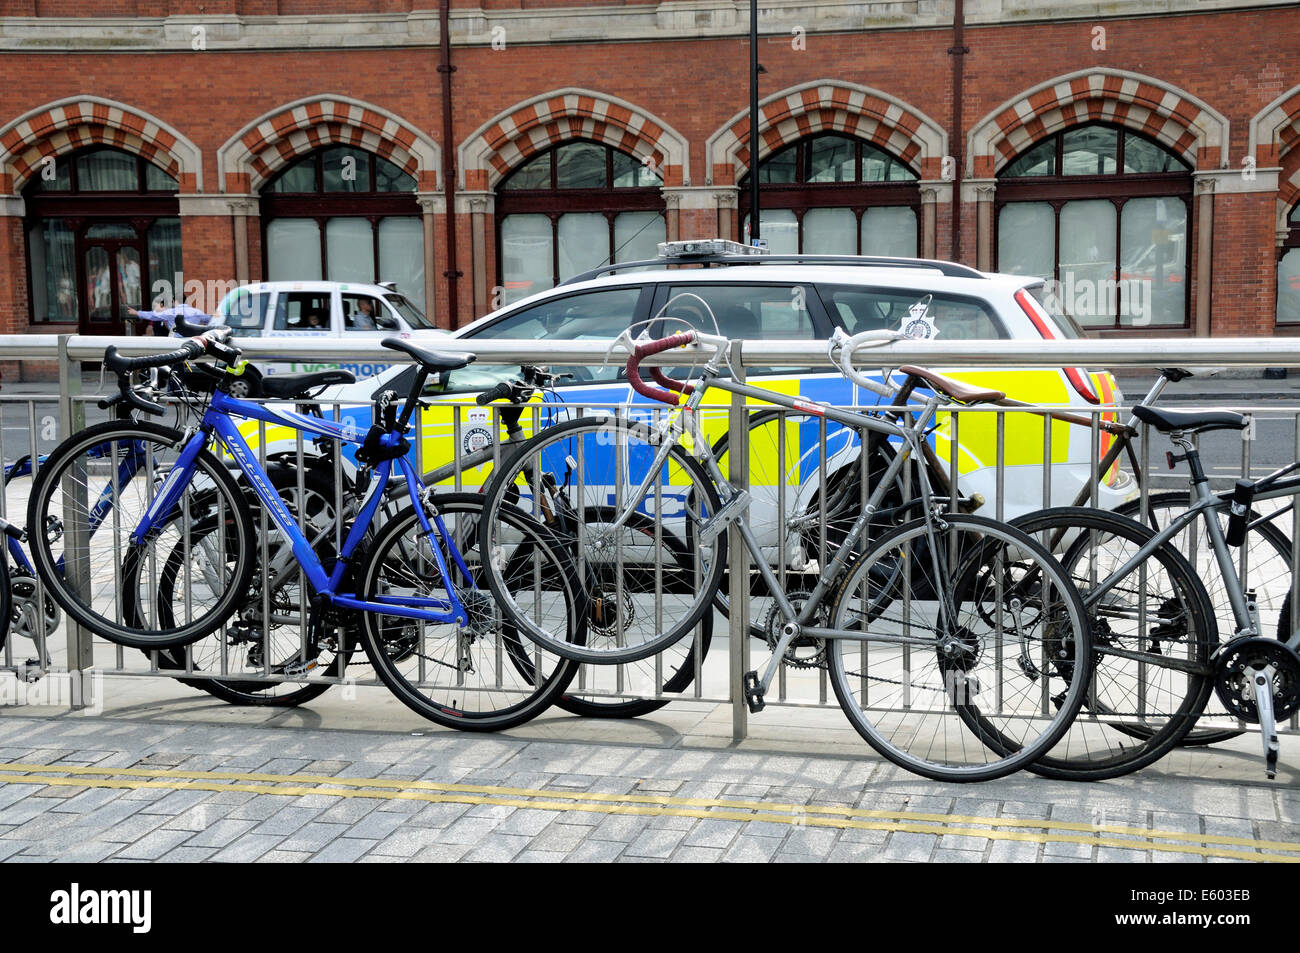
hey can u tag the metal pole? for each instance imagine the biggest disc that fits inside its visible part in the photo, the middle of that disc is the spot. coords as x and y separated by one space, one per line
738 558
76 531
754 228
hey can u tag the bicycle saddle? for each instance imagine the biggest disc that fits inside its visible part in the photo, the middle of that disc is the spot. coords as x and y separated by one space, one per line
1194 421
961 392
297 385
435 361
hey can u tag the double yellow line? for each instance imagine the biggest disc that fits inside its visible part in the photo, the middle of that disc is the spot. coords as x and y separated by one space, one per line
1029 830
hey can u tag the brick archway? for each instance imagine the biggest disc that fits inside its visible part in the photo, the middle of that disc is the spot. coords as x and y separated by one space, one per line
520 132
829 106
266 145
78 121
1274 137
1177 119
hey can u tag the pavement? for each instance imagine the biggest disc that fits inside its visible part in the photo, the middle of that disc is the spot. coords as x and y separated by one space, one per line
164 773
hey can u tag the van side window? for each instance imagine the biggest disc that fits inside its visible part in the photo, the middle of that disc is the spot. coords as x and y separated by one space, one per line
366 313
303 311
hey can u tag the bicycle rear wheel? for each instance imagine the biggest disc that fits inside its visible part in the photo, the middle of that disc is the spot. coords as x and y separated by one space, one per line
594 462
103 481
956 675
1153 632
484 676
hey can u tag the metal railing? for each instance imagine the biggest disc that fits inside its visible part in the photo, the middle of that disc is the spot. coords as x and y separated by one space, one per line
1016 433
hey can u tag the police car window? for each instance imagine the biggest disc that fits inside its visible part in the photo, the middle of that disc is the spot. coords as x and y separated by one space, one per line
745 312
245 311
593 315
366 313
870 309
302 311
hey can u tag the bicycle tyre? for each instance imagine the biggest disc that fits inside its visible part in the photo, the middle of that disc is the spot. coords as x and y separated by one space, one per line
114 609
389 644
6 597
1159 607
1268 546
318 523
957 658
580 440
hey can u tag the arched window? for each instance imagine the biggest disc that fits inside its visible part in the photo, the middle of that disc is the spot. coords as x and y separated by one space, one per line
344 214
1288 273
836 195
103 230
572 208
1105 212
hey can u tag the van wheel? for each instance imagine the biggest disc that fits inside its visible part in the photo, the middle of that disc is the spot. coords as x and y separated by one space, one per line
246 385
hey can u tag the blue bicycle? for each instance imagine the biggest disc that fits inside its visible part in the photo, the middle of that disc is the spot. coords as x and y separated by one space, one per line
170 561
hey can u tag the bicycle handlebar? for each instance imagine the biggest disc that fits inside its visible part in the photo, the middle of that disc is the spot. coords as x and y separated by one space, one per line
211 341
664 393
848 345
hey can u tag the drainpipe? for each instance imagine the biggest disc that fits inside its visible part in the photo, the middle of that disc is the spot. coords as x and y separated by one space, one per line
957 51
754 228
453 273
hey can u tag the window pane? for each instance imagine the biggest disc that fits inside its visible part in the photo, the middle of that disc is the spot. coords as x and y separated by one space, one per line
107 170
1027 239
299 177
1089 150
830 231
128 280
52 247
1040 160
1087 261
1295 216
890 230
350 250
584 242
1288 288
53 176
293 250
164 248
156 180
630 172
831 159
780 228
580 165
401 255
880 166
345 169
527 245
1153 256
1142 155
303 311
779 168
637 235
389 178
534 175
110 230
746 312
872 309
362 312
99 288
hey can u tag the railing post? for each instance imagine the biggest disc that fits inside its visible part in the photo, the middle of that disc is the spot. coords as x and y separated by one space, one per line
738 556
76 567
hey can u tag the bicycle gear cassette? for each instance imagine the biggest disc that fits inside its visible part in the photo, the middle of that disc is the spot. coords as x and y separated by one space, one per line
804 651
1234 678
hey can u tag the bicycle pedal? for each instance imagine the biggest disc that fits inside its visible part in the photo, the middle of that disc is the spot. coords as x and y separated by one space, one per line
754 692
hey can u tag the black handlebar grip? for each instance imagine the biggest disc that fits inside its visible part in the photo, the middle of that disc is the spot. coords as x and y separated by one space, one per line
187 328
496 393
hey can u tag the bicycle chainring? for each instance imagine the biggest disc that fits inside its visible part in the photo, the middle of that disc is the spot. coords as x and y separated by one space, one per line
804 651
1234 684
26 616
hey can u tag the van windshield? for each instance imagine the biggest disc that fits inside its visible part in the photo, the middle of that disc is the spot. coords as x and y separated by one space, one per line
410 313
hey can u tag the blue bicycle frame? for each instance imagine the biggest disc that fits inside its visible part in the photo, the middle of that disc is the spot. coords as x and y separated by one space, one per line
217 424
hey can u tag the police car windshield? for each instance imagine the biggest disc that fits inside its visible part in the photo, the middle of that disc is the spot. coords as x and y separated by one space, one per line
409 312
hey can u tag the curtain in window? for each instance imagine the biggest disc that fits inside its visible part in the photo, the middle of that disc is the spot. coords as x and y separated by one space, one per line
890 230
401 256
52 246
829 231
1027 239
107 170
293 250
527 246
350 250
165 261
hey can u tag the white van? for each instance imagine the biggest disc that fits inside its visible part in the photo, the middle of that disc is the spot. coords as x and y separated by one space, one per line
293 309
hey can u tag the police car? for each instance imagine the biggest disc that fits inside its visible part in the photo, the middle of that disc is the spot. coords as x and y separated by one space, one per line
304 309
759 296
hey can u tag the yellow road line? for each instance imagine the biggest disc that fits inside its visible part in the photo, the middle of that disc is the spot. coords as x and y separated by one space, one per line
797 815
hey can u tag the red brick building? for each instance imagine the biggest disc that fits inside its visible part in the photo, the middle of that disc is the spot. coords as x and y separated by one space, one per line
233 140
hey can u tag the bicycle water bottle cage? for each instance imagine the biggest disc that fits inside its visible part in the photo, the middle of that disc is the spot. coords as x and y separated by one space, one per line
373 452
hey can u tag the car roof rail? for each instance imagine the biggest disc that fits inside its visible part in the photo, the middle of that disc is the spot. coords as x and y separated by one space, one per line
950 269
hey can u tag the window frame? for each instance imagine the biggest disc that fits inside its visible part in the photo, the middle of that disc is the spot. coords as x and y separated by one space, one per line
1291 243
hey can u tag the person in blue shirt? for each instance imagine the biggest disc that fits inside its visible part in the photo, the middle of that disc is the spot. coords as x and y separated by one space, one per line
167 317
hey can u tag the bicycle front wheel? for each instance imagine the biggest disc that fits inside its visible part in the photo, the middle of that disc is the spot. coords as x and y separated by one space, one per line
962 626
100 483
599 464
483 676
